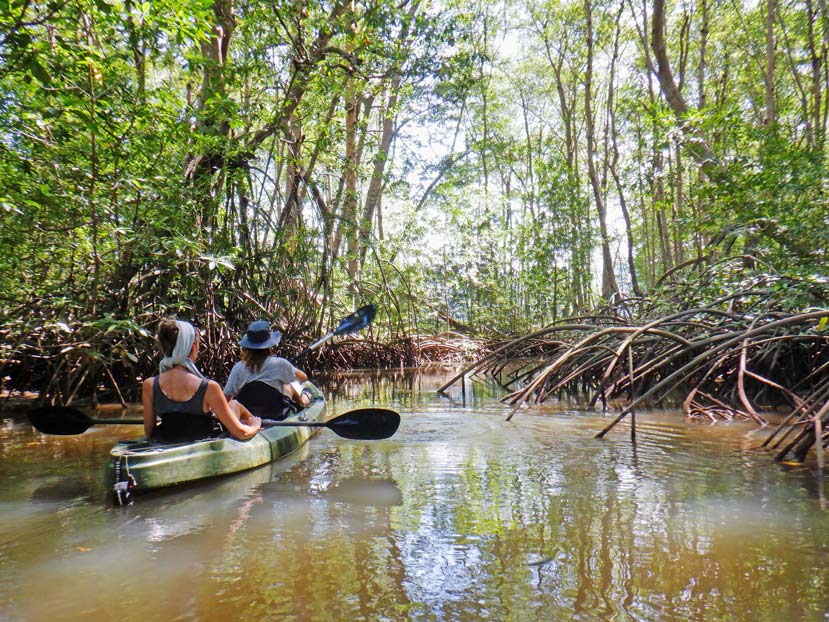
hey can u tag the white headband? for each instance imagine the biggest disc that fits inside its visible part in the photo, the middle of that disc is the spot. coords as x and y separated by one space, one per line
181 353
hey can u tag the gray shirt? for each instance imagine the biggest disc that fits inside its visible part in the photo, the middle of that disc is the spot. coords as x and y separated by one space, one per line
275 372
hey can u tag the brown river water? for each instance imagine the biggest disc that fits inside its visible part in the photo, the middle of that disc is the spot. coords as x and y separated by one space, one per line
460 516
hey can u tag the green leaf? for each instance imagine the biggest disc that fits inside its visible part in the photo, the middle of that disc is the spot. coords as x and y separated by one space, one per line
39 72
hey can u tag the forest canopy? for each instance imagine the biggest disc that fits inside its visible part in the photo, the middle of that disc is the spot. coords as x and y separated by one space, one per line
487 168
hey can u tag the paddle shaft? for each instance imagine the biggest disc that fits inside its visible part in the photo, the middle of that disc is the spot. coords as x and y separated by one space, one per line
115 421
315 345
271 422
363 423
358 320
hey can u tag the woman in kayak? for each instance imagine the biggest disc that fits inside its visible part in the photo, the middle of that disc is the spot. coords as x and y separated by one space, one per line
261 366
183 397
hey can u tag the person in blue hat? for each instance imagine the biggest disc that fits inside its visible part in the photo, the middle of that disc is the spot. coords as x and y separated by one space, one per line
260 365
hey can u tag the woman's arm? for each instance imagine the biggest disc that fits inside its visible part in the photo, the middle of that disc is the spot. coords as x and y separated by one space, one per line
215 401
294 391
147 404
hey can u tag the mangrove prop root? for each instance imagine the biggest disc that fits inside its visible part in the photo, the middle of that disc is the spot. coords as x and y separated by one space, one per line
719 365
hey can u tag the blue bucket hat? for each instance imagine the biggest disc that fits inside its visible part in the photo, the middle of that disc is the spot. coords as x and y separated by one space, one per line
259 336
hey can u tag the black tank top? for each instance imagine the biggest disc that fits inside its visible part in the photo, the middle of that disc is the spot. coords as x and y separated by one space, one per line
183 421
163 405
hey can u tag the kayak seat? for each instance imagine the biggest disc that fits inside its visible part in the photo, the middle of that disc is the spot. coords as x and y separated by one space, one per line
264 401
185 427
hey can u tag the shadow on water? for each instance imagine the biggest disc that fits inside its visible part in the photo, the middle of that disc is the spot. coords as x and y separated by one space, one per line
61 490
460 516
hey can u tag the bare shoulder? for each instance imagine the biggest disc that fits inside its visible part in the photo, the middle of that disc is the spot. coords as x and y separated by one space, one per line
214 387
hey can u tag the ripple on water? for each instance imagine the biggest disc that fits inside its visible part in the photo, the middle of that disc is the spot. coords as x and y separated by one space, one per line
444 426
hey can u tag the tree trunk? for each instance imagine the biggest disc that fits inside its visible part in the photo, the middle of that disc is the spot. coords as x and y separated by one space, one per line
294 139
661 215
564 104
768 76
703 47
818 41
609 285
375 185
305 61
137 47
678 208
93 172
698 146
348 225
200 166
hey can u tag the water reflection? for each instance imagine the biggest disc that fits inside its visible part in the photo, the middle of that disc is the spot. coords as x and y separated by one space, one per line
369 492
459 516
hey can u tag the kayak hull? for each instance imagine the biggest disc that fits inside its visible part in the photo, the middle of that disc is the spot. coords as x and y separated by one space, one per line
137 466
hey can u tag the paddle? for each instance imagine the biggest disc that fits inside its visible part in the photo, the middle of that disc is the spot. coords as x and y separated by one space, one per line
358 320
364 424
361 424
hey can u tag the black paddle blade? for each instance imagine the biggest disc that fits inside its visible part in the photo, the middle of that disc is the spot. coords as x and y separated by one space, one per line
59 420
366 424
358 320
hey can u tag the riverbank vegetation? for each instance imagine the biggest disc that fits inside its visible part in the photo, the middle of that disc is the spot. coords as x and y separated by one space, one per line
486 169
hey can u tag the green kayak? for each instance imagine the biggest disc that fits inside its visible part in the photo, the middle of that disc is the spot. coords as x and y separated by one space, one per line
138 466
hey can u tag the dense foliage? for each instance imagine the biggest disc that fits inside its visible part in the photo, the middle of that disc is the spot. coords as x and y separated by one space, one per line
479 167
